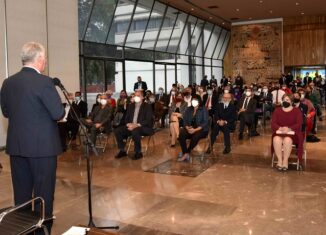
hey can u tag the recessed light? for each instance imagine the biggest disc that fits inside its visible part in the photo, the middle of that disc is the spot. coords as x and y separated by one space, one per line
210 17
297 4
302 13
261 1
271 11
192 9
250 18
237 9
223 23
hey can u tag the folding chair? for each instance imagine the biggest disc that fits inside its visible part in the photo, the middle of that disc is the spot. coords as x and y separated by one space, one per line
21 219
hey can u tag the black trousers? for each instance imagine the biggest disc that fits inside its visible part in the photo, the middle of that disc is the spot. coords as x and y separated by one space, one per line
72 126
246 119
226 129
121 133
34 177
194 139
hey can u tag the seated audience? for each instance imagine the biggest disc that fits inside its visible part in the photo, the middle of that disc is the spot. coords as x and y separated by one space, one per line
97 102
176 113
246 111
286 126
139 122
195 127
99 119
120 110
163 105
277 96
111 101
72 124
225 116
210 100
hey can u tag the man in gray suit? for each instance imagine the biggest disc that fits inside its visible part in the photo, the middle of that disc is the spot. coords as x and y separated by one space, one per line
32 104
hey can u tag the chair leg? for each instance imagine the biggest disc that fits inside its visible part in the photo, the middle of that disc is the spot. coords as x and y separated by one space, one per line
129 144
45 230
273 158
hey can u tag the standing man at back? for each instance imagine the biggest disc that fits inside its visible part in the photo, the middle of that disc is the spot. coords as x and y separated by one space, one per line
32 105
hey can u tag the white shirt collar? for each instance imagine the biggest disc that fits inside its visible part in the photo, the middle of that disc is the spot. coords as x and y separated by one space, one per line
26 66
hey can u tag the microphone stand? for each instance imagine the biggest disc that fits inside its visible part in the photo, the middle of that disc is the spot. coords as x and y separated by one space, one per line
88 145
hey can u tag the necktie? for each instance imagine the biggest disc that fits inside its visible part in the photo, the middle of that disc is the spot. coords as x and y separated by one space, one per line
208 101
245 103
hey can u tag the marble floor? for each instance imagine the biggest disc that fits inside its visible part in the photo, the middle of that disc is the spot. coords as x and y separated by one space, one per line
235 194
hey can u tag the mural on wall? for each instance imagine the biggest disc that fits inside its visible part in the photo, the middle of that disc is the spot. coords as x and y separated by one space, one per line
257 51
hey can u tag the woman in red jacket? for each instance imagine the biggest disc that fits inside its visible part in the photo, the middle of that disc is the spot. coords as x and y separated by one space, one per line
286 126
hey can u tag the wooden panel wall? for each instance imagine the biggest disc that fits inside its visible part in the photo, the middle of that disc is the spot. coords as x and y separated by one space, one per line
304 40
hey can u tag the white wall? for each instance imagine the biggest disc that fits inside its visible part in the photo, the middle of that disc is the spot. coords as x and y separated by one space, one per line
54 23
3 68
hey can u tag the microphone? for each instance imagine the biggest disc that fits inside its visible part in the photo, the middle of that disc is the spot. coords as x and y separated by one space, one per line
57 82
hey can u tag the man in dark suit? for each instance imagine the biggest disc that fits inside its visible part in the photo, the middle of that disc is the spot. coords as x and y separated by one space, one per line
204 82
163 100
246 111
225 116
210 100
139 119
282 80
213 81
32 104
140 85
224 81
100 119
289 79
307 79
80 107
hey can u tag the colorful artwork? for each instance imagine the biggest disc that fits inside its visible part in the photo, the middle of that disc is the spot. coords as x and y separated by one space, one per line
257 51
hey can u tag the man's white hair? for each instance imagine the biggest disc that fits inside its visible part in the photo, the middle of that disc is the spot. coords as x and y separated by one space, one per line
31 51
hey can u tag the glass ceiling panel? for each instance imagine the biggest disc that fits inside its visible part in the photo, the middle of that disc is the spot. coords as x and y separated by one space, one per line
154 25
213 41
177 32
121 22
139 23
167 28
100 20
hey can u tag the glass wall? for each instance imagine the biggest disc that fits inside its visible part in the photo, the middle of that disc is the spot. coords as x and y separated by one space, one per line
123 39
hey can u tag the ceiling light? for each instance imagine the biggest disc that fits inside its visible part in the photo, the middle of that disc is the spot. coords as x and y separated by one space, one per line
261 1
302 13
192 9
250 18
237 9
297 4
210 17
271 11
223 23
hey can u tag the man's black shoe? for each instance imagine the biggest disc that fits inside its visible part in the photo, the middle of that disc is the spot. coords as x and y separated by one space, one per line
227 150
254 133
241 136
121 154
137 156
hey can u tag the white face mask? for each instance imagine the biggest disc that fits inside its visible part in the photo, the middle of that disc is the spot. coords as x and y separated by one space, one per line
248 93
172 92
226 91
209 92
103 102
265 90
137 99
98 100
257 93
302 96
152 100
194 103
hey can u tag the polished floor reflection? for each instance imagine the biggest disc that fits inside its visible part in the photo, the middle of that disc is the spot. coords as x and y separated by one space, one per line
235 194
